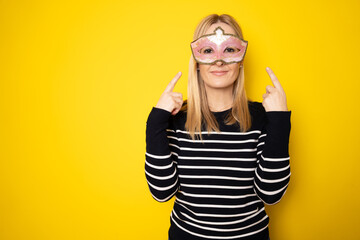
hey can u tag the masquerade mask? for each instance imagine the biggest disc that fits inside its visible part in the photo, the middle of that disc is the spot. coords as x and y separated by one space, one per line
218 46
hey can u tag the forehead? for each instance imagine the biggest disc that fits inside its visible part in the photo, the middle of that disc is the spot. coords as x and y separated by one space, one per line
227 28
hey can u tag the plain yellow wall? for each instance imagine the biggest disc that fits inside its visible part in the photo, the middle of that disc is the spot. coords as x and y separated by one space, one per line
79 78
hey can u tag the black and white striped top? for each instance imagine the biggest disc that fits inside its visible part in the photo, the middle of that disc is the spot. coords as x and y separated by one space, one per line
222 182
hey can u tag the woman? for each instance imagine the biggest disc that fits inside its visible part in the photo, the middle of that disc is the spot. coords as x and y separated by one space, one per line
221 155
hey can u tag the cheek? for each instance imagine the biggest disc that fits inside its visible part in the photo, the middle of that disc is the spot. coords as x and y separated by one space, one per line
236 71
203 76
203 72
233 74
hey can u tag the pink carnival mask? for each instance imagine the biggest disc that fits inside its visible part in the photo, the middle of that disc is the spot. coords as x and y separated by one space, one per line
218 46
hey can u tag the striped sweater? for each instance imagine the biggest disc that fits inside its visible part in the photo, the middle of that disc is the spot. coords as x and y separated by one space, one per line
222 182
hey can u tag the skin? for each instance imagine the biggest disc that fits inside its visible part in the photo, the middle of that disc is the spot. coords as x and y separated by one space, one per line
219 88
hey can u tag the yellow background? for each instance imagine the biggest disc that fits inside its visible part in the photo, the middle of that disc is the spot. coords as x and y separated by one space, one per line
79 78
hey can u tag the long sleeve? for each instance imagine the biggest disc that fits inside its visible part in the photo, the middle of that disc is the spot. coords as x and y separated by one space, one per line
161 155
272 174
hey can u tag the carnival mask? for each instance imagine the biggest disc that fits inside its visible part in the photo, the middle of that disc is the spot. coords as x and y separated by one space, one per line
218 46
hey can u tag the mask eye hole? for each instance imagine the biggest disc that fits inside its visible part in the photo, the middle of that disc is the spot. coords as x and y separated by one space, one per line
206 50
231 50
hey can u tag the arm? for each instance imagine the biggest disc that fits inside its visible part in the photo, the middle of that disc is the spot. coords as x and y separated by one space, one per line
272 174
161 152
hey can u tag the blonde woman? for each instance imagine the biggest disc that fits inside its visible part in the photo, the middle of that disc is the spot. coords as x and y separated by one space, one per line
222 156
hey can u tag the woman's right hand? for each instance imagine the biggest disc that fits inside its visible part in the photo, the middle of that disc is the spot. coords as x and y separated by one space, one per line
169 100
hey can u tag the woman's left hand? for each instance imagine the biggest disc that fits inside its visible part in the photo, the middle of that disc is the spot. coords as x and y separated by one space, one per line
274 98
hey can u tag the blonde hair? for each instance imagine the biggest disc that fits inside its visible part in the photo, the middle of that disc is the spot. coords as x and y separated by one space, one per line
197 107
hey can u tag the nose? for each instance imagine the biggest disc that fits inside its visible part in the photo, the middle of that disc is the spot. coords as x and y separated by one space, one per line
219 63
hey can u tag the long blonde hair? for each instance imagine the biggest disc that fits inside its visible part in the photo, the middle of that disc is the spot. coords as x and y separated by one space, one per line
197 107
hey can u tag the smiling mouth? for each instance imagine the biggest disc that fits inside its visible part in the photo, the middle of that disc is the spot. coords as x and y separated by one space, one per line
219 73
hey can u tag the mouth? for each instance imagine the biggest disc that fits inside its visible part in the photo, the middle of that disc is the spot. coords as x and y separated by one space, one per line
219 73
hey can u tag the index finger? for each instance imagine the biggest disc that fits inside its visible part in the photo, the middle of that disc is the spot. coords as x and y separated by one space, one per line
273 78
172 83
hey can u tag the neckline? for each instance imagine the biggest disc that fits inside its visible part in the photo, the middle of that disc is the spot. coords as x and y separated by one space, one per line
224 111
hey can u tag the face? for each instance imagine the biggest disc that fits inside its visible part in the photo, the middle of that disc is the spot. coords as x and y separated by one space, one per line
219 75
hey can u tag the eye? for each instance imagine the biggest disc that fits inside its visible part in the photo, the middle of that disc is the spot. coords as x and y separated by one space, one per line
206 50
231 49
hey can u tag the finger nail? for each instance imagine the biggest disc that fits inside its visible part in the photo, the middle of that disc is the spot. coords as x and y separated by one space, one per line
267 68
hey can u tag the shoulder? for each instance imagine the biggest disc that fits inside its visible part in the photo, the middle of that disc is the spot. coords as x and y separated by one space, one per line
256 109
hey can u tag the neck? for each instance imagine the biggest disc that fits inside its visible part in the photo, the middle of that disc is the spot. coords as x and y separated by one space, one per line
219 99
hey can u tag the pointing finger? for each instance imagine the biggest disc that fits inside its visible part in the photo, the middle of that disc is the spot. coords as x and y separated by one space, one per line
273 78
172 83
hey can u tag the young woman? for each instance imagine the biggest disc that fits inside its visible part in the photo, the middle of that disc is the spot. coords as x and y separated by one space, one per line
222 156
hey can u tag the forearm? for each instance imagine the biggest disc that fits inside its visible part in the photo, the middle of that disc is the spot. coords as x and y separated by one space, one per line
161 173
272 175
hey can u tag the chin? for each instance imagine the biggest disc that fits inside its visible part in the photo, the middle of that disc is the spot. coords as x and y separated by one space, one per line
220 85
